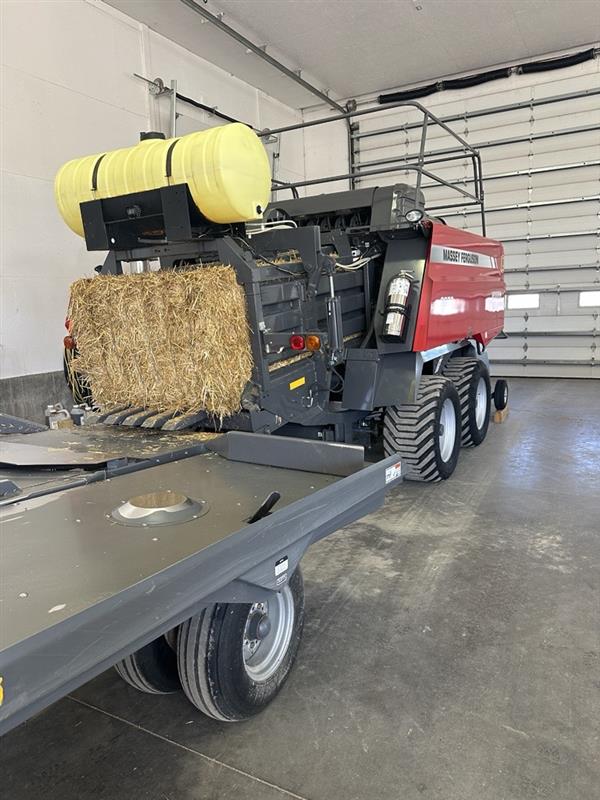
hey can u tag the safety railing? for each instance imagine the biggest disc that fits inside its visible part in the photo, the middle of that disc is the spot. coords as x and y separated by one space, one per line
419 162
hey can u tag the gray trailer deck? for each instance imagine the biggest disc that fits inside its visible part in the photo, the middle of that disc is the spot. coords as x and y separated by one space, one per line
80 589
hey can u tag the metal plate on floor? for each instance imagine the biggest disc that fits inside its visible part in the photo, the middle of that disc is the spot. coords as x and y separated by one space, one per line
17 454
158 508
10 424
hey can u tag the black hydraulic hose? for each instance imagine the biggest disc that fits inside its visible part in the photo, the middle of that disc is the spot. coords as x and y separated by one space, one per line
260 256
190 101
367 338
276 185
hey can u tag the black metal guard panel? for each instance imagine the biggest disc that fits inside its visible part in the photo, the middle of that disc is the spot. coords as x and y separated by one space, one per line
80 591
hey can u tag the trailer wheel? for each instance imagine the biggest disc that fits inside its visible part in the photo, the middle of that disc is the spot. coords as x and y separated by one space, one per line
501 394
151 669
472 381
233 658
426 433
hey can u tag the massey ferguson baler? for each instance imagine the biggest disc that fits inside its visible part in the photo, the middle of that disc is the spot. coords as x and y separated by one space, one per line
369 321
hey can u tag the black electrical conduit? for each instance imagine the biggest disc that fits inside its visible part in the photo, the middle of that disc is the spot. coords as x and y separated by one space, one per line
210 109
542 65
227 118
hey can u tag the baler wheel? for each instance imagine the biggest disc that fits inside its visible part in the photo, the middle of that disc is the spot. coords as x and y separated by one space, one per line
472 381
151 669
233 658
425 433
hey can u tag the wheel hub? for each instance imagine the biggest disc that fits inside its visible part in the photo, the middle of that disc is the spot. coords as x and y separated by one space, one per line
259 626
267 635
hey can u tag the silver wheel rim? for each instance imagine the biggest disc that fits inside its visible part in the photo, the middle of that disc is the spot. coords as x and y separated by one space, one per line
447 435
480 403
263 655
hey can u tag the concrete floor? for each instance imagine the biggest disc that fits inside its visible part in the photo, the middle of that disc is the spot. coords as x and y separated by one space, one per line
452 651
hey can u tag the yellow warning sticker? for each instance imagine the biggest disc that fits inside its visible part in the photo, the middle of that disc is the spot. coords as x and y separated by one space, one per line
297 383
1 691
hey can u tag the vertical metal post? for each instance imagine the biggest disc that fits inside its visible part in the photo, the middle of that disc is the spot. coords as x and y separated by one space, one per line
478 181
173 111
350 128
333 304
350 153
421 160
367 291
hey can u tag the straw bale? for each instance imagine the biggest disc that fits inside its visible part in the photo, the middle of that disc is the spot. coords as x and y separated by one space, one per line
174 341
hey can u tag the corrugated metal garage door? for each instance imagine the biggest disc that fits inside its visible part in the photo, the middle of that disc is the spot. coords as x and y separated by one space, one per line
539 137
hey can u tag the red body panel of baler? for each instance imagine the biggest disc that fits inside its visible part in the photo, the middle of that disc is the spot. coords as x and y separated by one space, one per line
462 295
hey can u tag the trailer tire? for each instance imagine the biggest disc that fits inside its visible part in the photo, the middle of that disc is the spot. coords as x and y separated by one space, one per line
214 661
151 669
425 434
472 380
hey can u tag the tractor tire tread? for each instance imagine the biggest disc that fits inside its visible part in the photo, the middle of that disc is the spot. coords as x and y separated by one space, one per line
460 371
409 431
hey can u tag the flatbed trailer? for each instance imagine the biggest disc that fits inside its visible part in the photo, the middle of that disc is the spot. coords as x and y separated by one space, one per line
88 578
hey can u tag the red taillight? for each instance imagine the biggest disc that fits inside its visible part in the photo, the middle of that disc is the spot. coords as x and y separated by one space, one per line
69 343
297 342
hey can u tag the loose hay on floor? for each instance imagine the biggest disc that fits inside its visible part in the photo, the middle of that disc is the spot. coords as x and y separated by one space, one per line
171 340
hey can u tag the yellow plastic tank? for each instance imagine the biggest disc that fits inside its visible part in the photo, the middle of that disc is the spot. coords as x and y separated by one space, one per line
226 168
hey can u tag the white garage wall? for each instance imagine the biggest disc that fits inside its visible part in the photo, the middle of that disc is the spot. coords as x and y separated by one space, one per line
552 240
68 90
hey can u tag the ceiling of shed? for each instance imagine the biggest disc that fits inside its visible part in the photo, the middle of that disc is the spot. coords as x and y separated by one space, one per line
353 47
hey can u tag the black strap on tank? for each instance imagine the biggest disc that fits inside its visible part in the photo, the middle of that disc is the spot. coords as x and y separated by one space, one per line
95 173
169 164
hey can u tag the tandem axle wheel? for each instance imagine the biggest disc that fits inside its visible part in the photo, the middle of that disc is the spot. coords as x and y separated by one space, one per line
426 433
231 659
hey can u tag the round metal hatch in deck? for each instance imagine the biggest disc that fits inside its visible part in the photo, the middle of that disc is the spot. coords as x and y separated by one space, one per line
159 508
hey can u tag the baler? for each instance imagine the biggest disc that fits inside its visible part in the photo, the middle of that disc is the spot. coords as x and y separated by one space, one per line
369 322
364 313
